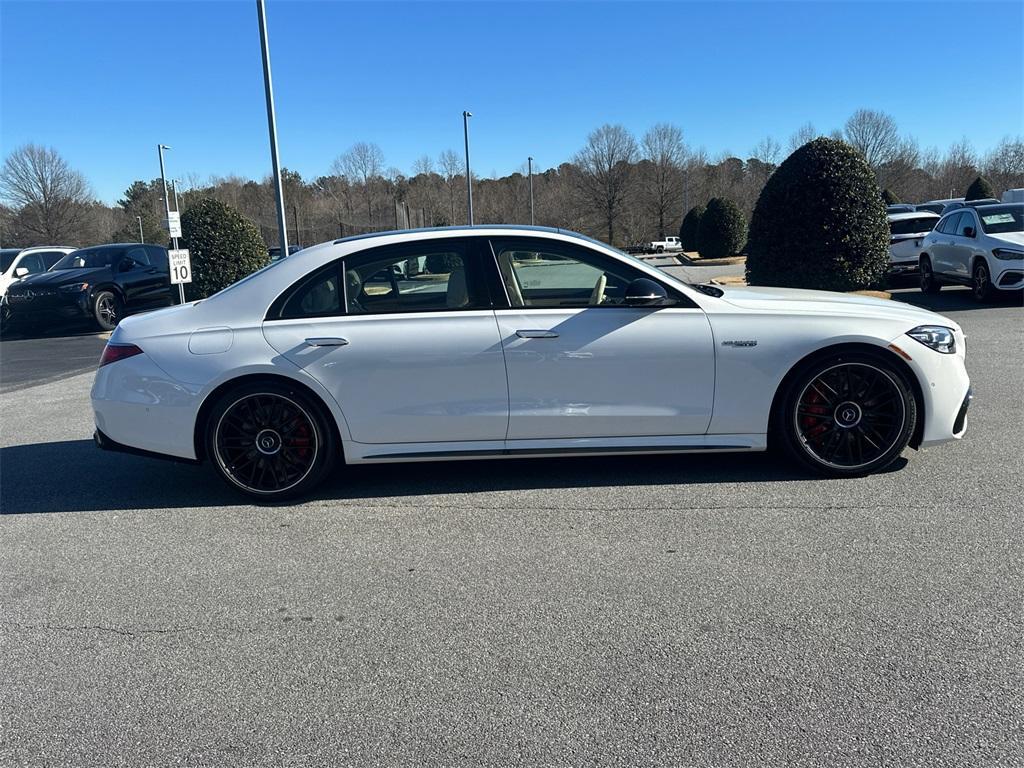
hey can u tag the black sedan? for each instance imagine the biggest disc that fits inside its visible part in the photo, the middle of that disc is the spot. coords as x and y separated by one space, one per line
103 284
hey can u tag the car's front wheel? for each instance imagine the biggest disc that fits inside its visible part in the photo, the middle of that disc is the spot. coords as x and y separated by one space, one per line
107 309
928 282
982 287
847 415
270 440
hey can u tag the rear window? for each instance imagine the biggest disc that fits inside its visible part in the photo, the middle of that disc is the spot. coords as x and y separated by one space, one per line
999 219
912 226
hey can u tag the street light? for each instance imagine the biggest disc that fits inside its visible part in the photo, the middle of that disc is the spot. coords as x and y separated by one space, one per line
268 87
469 176
141 238
174 187
529 165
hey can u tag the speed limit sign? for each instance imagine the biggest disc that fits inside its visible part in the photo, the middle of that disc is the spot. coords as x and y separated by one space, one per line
181 266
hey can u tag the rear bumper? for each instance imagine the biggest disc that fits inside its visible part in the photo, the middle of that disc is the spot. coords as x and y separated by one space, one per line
105 443
903 268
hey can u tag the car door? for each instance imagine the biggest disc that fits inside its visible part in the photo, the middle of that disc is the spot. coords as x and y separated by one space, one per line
964 244
581 363
411 355
943 243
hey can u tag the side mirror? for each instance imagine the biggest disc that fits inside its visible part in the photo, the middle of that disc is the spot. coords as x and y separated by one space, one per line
643 292
126 264
969 232
21 271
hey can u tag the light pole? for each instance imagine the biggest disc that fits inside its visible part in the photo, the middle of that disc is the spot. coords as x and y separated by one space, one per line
268 86
141 238
529 165
469 175
174 188
167 210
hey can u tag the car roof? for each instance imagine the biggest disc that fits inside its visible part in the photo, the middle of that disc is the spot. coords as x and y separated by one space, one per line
465 229
912 215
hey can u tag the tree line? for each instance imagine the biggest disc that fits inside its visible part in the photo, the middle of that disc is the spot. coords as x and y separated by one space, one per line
618 187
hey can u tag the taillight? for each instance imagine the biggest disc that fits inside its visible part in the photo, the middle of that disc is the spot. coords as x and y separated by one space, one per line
114 352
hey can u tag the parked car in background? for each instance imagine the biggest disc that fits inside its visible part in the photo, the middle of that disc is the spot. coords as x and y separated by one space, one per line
526 342
958 204
1013 196
102 284
906 231
275 252
982 247
18 263
899 208
937 206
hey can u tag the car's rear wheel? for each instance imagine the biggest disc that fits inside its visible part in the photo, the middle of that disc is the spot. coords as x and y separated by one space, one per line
107 309
928 282
270 440
982 287
847 415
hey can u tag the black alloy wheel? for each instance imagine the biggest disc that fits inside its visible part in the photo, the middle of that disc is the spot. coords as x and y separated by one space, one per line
107 309
270 441
928 282
850 415
982 287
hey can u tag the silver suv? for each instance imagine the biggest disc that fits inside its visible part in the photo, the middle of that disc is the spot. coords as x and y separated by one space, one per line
980 247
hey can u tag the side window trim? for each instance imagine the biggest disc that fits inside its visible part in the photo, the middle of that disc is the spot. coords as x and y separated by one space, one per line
276 310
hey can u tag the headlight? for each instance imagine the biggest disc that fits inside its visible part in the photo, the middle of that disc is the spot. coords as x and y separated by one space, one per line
937 337
1007 254
76 288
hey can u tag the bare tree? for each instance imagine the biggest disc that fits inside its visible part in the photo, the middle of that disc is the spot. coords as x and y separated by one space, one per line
52 198
875 136
767 150
451 165
423 166
606 173
663 147
363 163
801 136
1004 165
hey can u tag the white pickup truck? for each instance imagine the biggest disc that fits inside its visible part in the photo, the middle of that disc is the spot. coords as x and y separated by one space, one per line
668 245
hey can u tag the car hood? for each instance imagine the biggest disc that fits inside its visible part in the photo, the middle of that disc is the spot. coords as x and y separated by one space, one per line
1013 238
63 277
799 301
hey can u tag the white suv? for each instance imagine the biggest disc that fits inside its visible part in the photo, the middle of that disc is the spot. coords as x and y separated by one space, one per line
906 231
981 247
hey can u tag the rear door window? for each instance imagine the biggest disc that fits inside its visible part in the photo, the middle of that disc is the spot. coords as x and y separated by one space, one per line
966 220
949 224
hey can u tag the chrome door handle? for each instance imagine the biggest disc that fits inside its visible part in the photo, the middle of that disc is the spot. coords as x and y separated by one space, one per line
327 341
528 334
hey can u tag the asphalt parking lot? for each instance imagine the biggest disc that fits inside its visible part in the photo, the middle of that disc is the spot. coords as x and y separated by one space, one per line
699 611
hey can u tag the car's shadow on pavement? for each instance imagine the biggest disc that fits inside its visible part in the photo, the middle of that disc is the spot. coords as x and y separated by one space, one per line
75 476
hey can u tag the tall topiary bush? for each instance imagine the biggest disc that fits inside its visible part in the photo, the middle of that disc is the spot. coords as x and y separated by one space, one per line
819 222
223 246
889 197
980 189
722 230
688 229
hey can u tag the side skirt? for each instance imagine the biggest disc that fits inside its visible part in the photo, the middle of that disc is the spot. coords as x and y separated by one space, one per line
356 453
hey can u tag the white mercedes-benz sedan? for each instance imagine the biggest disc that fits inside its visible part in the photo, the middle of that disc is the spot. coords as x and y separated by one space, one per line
501 341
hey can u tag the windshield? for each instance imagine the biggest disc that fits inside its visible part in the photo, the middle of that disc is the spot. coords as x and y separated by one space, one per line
913 226
999 219
85 260
7 258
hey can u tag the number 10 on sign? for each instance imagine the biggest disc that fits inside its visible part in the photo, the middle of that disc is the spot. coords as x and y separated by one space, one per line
181 269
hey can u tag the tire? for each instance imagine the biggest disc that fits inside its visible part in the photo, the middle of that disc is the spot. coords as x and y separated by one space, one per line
660 249
847 415
107 309
271 441
928 282
981 283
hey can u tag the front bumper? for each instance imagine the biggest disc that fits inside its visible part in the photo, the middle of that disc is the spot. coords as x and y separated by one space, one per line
1010 278
51 303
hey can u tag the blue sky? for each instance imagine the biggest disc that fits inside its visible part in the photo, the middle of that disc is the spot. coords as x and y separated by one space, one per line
88 78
